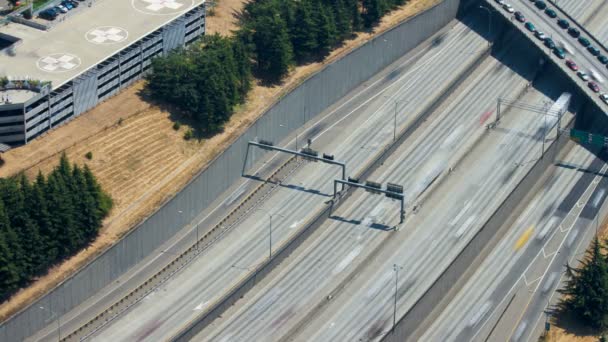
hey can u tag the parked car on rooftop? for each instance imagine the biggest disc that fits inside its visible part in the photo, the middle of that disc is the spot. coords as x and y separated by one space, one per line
563 23
551 13
520 17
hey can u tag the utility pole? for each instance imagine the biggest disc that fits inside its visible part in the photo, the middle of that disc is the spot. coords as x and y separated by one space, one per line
269 230
396 268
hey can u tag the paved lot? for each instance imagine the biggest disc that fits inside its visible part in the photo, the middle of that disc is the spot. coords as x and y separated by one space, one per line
80 41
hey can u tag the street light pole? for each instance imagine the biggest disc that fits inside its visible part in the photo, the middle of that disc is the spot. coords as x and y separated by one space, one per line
396 268
58 322
269 230
395 123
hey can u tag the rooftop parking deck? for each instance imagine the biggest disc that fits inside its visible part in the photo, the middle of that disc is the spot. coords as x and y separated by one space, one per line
83 40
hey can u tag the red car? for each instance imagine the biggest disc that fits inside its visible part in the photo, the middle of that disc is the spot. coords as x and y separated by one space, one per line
593 86
570 63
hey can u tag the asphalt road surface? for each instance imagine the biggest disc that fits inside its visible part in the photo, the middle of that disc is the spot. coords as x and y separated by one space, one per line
295 304
413 82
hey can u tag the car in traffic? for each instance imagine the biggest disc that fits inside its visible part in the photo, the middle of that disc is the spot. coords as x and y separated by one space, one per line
530 27
572 65
67 5
549 43
584 41
508 8
603 59
563 23
520 17
540 35
593 86
604 97
593 50
500 2
559 52
551 13
583 76
574 32
61 9
540 4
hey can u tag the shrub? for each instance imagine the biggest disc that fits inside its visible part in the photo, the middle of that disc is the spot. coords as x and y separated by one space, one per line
177 125
89 155
189 134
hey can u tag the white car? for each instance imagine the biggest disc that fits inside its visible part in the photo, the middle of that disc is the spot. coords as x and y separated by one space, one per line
500 2
508 8
62 8
604 98
583 76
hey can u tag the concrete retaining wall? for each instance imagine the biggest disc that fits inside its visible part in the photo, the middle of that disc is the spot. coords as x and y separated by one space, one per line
290 112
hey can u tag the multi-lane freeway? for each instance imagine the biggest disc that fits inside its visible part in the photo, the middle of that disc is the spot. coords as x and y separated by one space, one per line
329 289
330 292
413 83
513 290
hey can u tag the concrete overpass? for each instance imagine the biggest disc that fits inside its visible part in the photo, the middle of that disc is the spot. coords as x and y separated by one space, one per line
574 50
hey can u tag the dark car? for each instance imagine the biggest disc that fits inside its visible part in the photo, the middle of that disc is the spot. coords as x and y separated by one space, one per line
563 23
519 17
540 4
551 13
574 32
593 50
559 52
603 59
48 14
584 41
570 63
593 86
540 35
549 43
530 26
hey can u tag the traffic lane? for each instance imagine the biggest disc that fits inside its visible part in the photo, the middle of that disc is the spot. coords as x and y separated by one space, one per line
473 300
372 134
429 144
161 259
530 279
431 225
418 257
538 249
587 227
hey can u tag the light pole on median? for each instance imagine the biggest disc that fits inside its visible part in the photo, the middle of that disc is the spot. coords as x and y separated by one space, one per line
395 118
489 22
269 230
396 268
58 321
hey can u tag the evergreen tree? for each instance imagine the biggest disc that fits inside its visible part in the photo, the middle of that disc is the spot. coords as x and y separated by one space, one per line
39 212
328 34
273 48
372 12
342 19
9 272
587 288
305 31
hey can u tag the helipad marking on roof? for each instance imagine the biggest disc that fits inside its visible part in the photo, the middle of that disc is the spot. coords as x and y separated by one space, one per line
58 62
106 35
162 7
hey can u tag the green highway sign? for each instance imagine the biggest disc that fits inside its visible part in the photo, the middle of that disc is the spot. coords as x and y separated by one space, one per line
583 137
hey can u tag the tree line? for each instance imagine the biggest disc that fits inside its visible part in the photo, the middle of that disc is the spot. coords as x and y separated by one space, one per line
586 290
208 79
47 220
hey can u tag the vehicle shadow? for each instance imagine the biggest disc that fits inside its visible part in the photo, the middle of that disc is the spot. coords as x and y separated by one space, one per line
374 225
